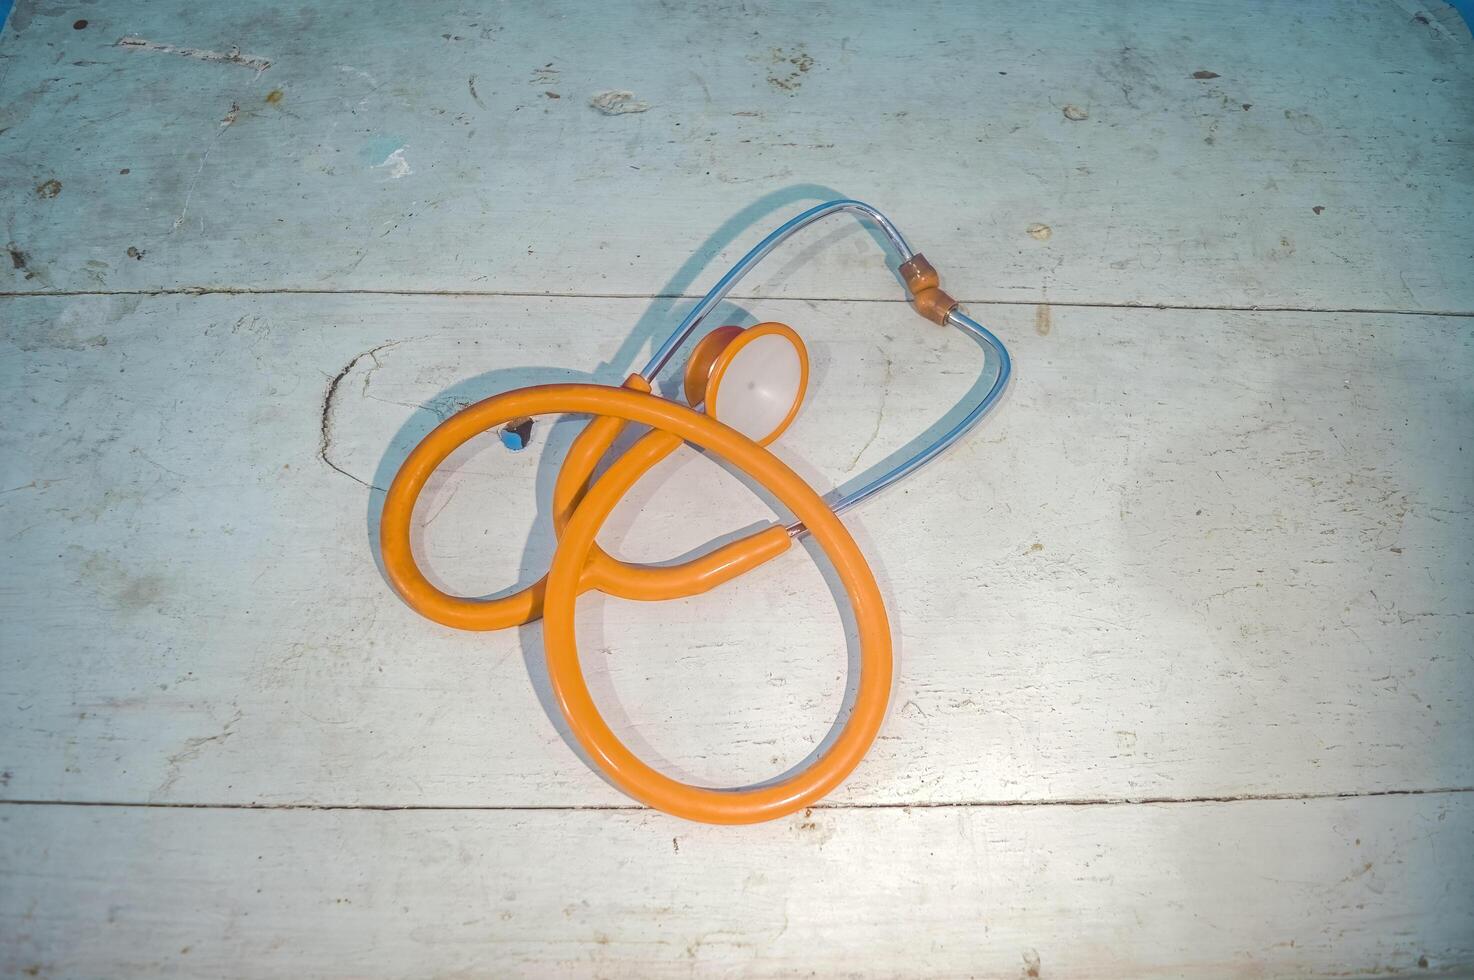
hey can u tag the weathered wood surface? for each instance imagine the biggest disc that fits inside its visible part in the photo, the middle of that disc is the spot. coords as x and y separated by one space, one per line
1325 162
1200 557
1196 554
1257 889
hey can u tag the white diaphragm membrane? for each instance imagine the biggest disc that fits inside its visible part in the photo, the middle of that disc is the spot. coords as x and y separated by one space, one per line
759 387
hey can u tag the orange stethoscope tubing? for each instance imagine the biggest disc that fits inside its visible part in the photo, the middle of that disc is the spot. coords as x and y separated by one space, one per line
573 572
605 573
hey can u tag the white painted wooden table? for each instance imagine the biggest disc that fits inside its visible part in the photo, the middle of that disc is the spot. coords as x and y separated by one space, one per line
1183 633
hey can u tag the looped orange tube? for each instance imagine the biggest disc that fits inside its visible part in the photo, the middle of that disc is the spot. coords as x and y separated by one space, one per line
576 568
622 579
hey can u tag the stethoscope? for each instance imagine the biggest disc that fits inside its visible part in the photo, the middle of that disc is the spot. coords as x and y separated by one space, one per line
744 386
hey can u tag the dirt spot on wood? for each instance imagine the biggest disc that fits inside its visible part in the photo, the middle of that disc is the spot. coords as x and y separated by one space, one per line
274 96
19 261
1203 74
134 252
788 69
1031 963
1041 320
1074 113
49 189
810 829
617 102
1039 232
1303 122
1318 208
141 593
61 336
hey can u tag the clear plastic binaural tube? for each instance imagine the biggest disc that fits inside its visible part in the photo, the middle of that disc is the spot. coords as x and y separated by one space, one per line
955 317
947 439
734 275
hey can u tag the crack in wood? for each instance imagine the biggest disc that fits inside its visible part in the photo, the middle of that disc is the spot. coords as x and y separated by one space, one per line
325 422
974 301
833 807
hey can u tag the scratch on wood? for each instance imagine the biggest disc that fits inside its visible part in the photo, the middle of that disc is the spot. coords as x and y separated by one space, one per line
192 748
885 388
448 498
231 57
225 123
33 485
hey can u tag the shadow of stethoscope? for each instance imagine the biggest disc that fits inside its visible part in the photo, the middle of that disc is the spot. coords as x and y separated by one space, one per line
653 326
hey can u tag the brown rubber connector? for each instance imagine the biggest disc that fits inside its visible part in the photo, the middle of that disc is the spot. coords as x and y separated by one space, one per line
926 295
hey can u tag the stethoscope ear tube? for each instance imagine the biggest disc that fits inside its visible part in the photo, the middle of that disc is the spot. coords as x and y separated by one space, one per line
923 286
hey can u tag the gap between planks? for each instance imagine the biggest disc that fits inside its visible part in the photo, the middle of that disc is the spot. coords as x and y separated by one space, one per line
1082 304
622 807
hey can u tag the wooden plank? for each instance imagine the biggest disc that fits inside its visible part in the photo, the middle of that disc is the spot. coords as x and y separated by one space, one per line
441 147
1353 887
1195 554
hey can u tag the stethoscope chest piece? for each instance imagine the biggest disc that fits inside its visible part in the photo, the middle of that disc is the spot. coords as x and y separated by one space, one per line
753 379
